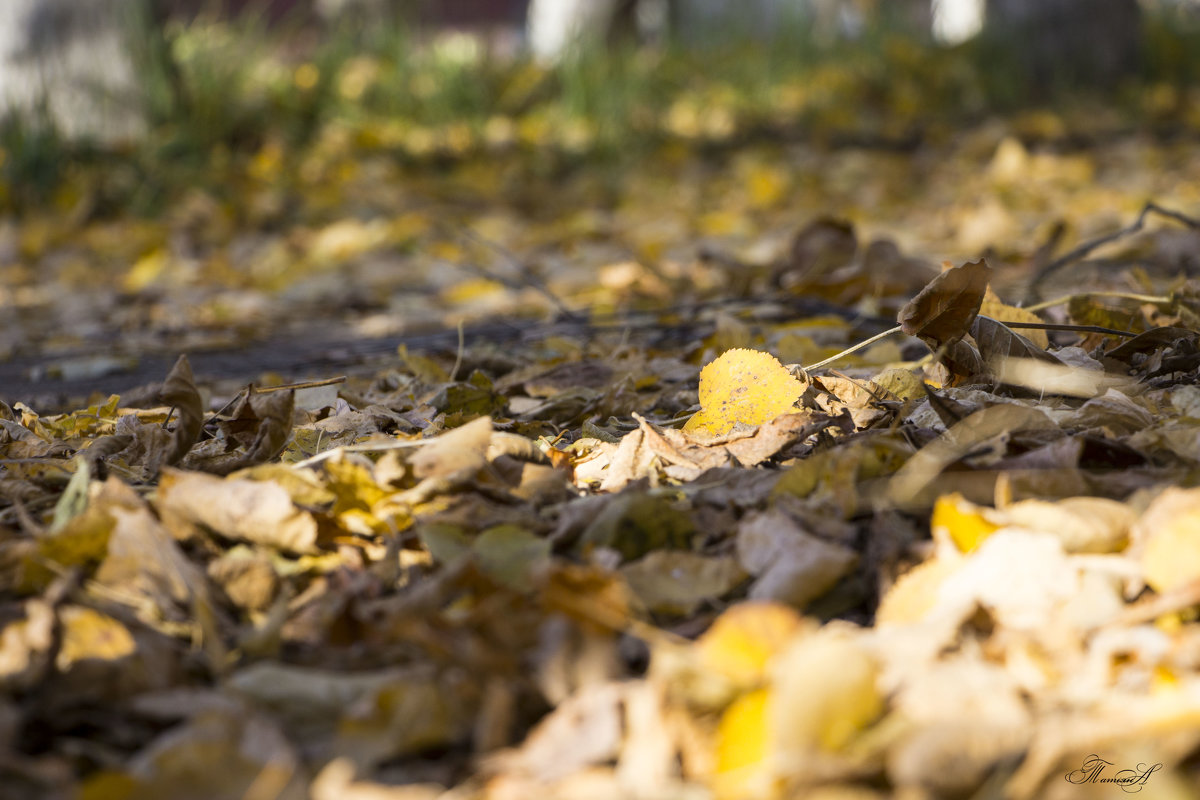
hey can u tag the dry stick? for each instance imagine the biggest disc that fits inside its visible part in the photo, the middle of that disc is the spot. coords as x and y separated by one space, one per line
1049 326
846 352
303 385
1087 247
1067 298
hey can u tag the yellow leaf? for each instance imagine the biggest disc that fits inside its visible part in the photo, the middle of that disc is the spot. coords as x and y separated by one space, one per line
356 494
1000 311
743 386
962 521
767 185
147 269
473 290
742 747
742 641
903 383
723 223
88 634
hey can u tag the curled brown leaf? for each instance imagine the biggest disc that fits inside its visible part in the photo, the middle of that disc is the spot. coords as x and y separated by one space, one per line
179 391
943 311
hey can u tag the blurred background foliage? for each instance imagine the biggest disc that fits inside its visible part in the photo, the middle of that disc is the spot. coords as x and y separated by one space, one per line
232 100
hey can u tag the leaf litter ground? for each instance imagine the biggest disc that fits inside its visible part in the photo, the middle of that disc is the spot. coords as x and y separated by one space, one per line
959 564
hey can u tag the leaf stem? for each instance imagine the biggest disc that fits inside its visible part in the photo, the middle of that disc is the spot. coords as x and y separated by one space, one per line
847 351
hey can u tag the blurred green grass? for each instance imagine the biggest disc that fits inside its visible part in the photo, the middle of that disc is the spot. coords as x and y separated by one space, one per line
231 100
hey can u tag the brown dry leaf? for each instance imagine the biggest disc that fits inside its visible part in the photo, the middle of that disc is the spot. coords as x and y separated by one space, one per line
821 247
260 512
147 569
220 754
142 557
679 582
249 580
920 471
274 412
997 343
943 311
456 454
373 715
630 460
686 457
511 555
745 387
179 391
1151 341
859 399
772 437
791 565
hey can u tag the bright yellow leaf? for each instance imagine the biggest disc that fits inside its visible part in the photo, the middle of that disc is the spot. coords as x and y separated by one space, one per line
962 521
741 642
88 634
743 386
742 746
1000 311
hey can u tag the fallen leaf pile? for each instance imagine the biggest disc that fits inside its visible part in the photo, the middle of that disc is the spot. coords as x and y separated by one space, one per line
958 566
611 434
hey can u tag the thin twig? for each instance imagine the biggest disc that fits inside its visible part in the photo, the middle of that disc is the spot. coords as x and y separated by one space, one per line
1049 326
852 349
1067 298
1084 249
302 385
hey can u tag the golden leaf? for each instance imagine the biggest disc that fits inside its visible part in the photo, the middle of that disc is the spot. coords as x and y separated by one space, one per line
962 521
743 386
